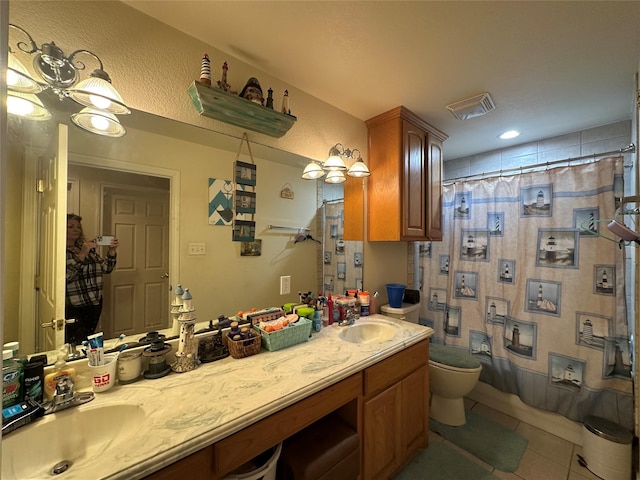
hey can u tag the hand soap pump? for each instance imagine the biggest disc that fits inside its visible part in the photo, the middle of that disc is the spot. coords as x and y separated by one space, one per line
60 370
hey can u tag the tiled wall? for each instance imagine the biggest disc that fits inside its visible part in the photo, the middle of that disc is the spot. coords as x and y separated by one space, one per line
571 145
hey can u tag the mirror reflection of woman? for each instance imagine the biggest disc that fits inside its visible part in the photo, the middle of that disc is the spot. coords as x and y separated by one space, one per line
85 268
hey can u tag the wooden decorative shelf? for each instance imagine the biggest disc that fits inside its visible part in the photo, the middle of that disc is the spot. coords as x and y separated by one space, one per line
220 105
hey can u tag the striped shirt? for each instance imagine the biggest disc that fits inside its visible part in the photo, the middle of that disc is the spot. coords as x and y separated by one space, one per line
84 277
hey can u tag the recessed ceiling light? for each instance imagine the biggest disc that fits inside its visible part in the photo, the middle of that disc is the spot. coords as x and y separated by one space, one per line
508 135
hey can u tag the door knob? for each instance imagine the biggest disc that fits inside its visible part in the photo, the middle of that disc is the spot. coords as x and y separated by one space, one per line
57 323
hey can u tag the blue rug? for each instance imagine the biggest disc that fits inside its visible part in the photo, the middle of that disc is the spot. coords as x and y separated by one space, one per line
490 441
440 462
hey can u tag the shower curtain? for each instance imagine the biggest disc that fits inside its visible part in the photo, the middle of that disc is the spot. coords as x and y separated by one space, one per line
342 259
529 280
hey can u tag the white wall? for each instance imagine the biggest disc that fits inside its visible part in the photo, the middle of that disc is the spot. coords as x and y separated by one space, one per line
152 66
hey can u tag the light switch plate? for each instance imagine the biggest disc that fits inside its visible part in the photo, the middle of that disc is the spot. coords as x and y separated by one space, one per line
285 284
197 249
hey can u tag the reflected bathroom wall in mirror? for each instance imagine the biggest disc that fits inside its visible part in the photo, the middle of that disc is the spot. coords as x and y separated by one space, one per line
173 161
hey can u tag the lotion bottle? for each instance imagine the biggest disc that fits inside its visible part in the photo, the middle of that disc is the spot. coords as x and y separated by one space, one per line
60 370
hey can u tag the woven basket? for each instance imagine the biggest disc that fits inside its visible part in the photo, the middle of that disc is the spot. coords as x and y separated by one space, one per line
244 348
295 333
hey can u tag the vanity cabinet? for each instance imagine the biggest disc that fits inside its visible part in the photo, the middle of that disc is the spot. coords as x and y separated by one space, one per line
405 186
395 411
386 403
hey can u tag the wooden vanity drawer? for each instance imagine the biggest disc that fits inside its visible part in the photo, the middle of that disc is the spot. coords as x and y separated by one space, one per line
395 368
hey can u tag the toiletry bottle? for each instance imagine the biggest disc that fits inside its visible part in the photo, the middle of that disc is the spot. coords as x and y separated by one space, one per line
15 347
330 310
11 380
60 370
34 380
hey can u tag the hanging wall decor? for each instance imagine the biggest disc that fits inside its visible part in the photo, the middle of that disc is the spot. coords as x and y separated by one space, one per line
244 231
251 249
245 202
220 201
287 191
245 173
244 225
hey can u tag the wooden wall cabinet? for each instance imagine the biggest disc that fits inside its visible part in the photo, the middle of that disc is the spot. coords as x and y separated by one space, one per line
405 187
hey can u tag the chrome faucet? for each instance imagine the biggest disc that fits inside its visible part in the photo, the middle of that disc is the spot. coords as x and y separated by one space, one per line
65 396
350 317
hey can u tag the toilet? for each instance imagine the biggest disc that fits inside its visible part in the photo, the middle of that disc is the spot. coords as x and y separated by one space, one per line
452 373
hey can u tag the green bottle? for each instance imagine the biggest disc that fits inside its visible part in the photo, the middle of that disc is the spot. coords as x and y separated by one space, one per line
11 380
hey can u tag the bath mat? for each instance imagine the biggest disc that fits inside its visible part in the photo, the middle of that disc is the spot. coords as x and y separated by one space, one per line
440 462
490 441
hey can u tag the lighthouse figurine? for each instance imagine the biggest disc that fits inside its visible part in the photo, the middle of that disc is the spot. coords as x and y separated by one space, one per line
205 70
222 83
187 353
285 103
176 304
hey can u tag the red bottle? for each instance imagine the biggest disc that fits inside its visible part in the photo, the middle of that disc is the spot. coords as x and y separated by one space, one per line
330 309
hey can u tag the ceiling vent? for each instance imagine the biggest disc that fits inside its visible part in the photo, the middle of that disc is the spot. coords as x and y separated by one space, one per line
472 107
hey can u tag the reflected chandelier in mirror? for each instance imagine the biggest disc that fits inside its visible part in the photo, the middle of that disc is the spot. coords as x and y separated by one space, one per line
60 73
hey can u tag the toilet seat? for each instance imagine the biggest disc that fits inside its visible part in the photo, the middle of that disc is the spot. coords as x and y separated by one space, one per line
451 359
454 369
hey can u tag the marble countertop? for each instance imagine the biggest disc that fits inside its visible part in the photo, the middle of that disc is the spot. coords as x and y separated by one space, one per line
187 412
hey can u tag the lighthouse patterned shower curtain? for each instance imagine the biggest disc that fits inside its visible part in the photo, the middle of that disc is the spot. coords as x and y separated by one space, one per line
529 280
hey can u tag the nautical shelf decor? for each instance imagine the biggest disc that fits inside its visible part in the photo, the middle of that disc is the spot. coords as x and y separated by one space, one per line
215 103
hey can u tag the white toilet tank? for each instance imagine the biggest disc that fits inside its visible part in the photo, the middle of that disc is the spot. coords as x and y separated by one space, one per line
409 312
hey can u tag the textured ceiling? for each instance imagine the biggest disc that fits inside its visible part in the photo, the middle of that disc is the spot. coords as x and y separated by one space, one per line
550 67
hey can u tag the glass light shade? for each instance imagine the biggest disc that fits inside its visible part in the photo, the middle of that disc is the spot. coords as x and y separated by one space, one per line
312 171
335 176
359 169
99 122
96 93
26 105
333 163
18 78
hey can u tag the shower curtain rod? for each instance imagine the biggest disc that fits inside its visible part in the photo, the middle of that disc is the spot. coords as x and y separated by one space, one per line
335 200
628 149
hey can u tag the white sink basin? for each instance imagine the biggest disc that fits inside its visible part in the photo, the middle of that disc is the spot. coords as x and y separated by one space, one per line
369 331
75 435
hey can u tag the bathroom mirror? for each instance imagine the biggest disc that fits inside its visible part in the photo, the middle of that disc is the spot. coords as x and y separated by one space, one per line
169 163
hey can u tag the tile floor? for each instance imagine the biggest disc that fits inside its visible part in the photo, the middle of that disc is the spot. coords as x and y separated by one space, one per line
547 457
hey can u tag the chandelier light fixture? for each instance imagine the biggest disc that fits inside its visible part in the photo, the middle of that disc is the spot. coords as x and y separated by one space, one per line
61 74
335 167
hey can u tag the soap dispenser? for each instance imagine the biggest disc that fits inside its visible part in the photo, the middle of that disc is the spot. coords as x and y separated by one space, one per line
60 370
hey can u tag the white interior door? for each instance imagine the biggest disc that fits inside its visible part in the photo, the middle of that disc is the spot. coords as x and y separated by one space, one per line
136 293
53 237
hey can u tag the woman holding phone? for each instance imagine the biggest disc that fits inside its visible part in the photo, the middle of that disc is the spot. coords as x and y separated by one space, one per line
85 269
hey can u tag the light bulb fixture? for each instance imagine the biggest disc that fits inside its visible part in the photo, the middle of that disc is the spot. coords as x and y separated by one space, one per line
26 105
335 166
99 122
312 171
335 161
18 78
335 176
359 169
61 74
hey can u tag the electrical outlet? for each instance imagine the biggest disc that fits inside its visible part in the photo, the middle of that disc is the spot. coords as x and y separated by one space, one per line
197 249
285 284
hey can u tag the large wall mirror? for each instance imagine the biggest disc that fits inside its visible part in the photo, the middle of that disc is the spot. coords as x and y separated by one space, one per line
151 188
